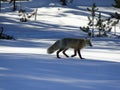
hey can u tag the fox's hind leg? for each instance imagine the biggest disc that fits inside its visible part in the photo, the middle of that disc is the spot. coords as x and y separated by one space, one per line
59 52
65 51
75 53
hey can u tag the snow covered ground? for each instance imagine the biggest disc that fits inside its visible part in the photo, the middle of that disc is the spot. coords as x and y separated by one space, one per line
25 64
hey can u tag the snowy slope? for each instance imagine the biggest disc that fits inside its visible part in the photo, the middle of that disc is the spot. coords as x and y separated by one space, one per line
25 65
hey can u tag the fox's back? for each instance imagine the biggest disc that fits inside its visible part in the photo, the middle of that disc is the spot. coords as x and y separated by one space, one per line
73 43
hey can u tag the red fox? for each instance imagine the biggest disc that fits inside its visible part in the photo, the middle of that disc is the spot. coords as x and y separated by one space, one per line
66 43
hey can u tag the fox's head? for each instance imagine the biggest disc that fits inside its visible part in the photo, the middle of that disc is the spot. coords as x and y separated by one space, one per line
88 41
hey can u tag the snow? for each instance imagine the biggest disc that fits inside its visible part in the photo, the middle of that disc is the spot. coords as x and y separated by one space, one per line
25 64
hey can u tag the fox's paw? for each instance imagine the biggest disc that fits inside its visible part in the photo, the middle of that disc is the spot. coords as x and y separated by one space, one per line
73 55
67 56
59 57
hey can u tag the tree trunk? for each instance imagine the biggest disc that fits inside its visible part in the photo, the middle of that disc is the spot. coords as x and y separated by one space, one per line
14 5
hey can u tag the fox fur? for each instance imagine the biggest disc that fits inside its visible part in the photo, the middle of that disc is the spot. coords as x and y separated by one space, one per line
66 43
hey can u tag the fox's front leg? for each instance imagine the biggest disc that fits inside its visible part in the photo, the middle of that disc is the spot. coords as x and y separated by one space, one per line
79 53
75 53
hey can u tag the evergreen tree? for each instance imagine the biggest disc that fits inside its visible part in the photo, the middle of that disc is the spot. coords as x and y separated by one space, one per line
14 4
101 25
64 2
86 30
92 17
116 18
114 24
117 3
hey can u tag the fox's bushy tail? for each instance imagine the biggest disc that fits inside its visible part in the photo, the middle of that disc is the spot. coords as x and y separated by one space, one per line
54 47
